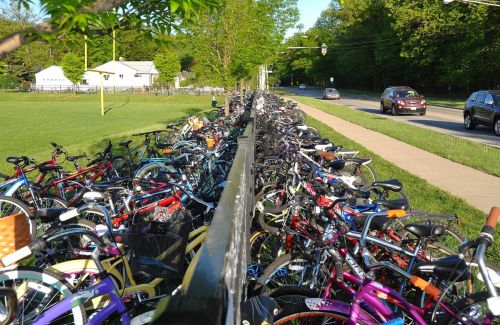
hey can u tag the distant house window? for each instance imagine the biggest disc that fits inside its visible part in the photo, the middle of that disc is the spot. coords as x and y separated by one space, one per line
84 81
106 77
137 75
121 76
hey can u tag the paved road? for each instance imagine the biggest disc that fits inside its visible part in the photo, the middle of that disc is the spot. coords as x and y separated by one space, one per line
444 120
479 189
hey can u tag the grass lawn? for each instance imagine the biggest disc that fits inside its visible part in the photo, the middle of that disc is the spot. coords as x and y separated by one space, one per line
475 155
454 102
422 195
30 121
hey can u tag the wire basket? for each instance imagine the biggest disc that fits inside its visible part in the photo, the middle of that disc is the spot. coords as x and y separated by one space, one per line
158 248
14 233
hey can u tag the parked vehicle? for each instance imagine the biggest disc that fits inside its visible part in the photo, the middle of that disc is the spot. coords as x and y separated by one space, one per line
331 93
302 86
402 99
483 107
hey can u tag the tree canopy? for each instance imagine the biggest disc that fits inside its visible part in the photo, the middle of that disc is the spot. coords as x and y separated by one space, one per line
168 66
154 18
73 67
375 43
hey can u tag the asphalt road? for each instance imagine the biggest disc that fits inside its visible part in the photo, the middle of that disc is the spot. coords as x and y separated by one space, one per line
444 120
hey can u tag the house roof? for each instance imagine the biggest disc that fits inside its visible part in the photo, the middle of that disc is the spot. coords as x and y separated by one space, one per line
141 66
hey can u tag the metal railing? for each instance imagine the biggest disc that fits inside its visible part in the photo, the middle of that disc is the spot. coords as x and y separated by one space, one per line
214 284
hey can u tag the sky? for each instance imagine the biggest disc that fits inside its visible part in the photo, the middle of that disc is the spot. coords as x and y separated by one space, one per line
309 13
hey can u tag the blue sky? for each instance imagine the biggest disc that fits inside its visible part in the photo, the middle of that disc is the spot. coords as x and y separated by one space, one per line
309 13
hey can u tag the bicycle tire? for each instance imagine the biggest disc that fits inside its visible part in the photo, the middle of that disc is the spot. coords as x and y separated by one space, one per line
48 282
477 300
10 206
301 314
291 295
278 268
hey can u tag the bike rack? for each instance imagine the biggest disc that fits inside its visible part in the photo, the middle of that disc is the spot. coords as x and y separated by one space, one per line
214 287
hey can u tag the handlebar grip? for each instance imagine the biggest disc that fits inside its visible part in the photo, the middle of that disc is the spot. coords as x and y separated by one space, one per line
17 256
493 217
425 286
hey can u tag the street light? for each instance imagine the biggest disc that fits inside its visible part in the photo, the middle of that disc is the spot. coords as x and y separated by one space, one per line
324 48
474 1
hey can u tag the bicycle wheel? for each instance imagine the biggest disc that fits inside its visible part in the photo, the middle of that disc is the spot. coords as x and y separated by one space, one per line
473 310
10 206
364 175
38 290
287 296
303 315
291 271
65 245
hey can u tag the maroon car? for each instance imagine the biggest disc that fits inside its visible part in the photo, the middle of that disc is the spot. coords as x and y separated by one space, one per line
402 99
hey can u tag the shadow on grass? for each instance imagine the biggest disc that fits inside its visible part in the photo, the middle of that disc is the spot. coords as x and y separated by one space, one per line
112 106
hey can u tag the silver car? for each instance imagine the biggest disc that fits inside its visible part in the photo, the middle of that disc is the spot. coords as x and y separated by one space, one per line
331 93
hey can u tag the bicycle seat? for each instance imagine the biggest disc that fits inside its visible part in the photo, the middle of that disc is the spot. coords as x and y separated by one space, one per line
164 145
400 204
125 143
73 158
326 155
336 165
47 168
359 161
378 223
319 140
448 268
47 215
15 160
359 193
425 230
392 184
115 183
308 147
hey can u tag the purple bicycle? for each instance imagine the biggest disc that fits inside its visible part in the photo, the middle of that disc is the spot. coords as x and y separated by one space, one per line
374 303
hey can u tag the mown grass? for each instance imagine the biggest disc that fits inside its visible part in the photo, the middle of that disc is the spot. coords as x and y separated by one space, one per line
30 121
455 102
468 153
422 195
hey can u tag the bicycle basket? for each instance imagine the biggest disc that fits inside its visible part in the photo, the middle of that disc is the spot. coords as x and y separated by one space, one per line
158 248
15 233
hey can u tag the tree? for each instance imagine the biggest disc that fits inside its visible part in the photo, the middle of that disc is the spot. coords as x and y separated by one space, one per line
168 66
154 18
73 67
230 43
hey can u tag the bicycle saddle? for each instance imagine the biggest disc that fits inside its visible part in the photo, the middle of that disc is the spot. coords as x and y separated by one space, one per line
378 223
336 165
392 184
112 184
425 230
73 158
326 155
400 204
15 160
125 143
448 268
47 168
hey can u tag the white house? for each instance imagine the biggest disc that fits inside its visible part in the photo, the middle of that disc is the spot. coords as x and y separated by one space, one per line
127 74
52 78
117 74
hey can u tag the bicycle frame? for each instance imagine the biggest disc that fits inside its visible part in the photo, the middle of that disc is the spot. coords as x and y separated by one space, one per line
104 287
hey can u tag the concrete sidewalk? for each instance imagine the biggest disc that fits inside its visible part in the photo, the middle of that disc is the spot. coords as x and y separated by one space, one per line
479 189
